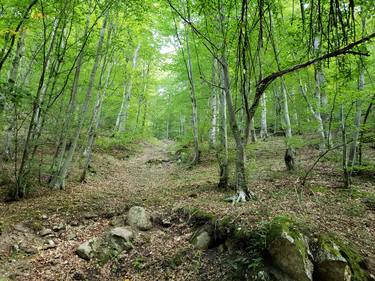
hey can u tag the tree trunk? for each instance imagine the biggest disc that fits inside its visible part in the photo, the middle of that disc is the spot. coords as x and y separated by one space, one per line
263 122
358 114
60 179
344 149
58 162
214 107
122 116
316 114
194 116
241 184
9 105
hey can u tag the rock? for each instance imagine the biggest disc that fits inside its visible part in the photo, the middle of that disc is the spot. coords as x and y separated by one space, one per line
139 218
263 276
71 236
117 221
78 275
21 228
74 223
44 217
50 244
330 265
289 250
58 227
124 233
15 248
45 232
30 250
87 250
90 215
202 241
159 220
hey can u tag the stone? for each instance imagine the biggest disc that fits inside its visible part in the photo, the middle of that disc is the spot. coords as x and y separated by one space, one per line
117 221
21 228
78 275
87 250
330 265
90 215
202 241
71 236
50 244
74 223
45 232
124 233
139 218
289 250
44 217
58 227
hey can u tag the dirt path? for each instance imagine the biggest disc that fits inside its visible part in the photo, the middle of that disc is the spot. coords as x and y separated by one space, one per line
87 210
147 178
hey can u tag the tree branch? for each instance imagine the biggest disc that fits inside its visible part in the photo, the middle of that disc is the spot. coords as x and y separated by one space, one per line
24 18
264 83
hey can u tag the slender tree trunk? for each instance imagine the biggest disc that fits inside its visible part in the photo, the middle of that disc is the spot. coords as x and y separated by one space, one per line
263 122
316 114
35 117
192 94
95 120
60 179
344 149
57 164
289 153
9 105
122 116
241 184
358 115
214 100
222 147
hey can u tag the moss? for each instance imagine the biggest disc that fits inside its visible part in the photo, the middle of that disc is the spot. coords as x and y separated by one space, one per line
346 250
197 216
284 224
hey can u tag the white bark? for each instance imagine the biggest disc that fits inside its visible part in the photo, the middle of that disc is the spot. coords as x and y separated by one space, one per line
263 120
128 87
288 127
60 179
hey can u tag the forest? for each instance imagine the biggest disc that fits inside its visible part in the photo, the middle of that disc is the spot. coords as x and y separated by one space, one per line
187 140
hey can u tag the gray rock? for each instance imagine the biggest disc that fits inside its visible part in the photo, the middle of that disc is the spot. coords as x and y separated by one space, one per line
124 233
50 244
117 221
58 227
289 250
74 223
45 232
21 228
71 236
330 264
202 240
87 250
139 218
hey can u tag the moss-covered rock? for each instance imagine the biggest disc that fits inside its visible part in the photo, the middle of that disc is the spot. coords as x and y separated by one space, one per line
330 265
289 249
337 260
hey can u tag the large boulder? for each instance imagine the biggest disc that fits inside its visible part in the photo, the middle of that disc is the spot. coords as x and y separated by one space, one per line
330 265
139 218
289 250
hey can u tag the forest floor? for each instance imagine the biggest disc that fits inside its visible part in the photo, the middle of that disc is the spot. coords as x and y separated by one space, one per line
148 176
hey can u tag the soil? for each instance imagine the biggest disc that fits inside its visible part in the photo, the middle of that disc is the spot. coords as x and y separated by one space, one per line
150 177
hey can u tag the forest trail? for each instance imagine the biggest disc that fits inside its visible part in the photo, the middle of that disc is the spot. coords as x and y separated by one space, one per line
147 176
